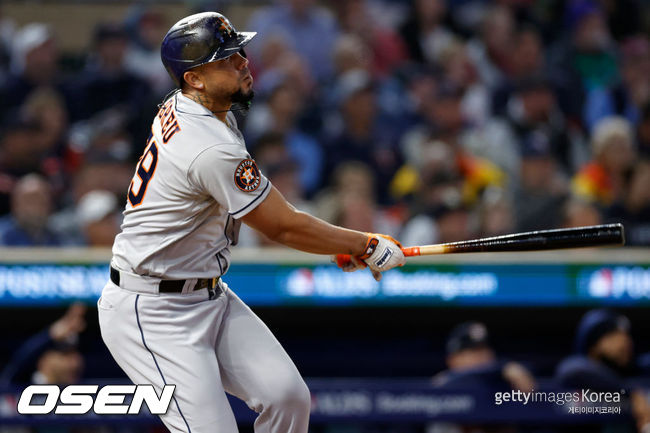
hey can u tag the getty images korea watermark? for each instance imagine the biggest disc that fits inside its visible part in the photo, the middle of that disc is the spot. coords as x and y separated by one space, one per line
577 402
81 399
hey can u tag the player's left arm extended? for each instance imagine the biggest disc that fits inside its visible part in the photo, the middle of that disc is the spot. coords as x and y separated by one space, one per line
282 223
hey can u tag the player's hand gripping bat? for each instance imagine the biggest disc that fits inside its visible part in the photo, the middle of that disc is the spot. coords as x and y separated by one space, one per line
578 237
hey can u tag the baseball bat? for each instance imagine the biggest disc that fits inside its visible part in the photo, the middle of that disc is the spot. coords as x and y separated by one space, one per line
578 237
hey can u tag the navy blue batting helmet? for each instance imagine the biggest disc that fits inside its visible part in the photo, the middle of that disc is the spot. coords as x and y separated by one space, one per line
595 324
199 39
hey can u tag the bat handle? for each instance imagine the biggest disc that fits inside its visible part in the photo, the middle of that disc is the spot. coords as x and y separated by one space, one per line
411 251
344 259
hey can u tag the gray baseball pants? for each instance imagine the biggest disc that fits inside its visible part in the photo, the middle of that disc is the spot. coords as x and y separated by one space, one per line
205 347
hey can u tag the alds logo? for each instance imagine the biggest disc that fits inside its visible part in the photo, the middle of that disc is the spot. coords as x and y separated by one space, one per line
247 176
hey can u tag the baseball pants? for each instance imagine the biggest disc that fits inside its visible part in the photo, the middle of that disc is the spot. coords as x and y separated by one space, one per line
204 347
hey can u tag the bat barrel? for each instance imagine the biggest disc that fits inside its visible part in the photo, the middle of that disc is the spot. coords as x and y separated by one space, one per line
591 236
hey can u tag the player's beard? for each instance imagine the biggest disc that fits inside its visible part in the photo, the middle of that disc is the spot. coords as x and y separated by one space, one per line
244 99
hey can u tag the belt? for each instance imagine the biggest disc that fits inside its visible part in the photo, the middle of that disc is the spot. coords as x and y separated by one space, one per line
176 286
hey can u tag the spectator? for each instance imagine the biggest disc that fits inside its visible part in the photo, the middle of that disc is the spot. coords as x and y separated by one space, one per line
627 97
147 28
309 27
46 108
491 50
388 50
351 193
279 63
272 48
52 353
533 110
95 171
359 136
602 180
496 213
19 155
585 65
634 209
107 84
634 91
31 207
592 50
460 72
403 98
542 187
275 159
526 60
99 217
441 140
579 213
351 53
102 171
104 134
424 31
34 63
439 213
279 116
603 360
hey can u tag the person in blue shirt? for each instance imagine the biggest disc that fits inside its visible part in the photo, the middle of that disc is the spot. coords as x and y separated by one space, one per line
31 207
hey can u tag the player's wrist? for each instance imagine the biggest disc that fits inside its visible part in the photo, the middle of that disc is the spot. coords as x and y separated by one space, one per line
369 247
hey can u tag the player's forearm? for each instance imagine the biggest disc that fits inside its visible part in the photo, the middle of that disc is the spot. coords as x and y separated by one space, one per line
313 235
282 223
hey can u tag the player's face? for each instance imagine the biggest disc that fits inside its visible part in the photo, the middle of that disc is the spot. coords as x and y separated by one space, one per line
228 77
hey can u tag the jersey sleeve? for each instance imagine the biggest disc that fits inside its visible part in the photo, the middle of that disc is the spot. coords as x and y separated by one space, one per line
231 177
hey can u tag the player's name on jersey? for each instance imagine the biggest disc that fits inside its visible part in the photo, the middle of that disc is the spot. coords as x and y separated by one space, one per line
168 121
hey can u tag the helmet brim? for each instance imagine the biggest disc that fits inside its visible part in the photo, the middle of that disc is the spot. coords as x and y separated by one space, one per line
231 47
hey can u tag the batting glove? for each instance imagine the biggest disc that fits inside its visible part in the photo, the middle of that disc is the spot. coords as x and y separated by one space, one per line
382 253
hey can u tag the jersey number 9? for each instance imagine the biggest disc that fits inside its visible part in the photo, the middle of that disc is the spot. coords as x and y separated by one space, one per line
143 173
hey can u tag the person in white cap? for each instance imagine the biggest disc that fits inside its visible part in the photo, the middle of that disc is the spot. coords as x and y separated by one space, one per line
99 217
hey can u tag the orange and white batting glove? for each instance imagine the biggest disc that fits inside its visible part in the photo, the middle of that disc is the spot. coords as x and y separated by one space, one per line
382 252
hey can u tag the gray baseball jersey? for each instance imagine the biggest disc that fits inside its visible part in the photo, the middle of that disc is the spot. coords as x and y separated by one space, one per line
193 183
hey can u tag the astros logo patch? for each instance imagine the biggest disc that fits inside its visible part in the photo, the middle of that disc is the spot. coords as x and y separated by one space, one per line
247 176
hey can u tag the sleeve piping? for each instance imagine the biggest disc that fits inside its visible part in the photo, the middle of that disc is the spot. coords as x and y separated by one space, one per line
243 211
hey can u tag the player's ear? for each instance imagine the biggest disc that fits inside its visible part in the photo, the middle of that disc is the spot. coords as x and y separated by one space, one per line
193 80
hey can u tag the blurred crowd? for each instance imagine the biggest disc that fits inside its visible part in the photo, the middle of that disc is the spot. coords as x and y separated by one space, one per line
428 120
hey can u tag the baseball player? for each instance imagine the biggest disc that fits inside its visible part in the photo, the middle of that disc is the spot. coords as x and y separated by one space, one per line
166 314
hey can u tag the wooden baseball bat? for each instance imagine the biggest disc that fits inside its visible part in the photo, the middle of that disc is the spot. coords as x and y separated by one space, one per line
578 237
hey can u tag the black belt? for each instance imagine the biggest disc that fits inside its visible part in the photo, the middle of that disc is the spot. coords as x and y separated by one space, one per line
175 286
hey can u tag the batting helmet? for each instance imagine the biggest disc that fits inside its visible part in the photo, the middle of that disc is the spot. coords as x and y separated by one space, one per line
199 39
